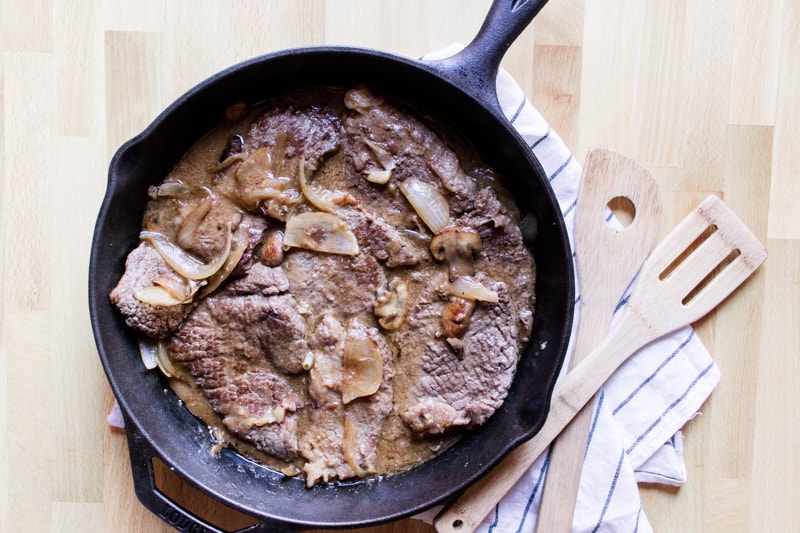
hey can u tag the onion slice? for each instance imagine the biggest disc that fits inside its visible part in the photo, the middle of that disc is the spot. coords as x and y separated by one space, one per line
155 354
189 225
147 349
470 289
430 204
362 366
350 446
156 295
183 263
381 154
321 232
240 243
320 200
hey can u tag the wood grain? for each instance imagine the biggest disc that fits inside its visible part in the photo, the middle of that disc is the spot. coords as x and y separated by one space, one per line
704 93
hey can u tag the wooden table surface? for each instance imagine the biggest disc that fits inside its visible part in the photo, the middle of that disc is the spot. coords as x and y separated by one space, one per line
705 93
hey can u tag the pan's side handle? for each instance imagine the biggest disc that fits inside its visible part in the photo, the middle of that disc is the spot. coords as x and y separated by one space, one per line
142 453
475 67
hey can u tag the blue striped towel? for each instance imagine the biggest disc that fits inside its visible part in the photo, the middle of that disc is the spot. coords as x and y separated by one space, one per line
640 411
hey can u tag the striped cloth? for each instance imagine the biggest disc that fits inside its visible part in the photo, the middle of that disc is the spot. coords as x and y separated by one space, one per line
635 433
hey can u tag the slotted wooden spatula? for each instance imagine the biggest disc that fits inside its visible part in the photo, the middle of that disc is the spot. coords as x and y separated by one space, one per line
702 261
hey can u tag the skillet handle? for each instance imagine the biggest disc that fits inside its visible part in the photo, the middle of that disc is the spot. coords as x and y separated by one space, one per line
141 454
475 67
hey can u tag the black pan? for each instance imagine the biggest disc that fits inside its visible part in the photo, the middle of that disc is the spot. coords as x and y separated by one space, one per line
460 91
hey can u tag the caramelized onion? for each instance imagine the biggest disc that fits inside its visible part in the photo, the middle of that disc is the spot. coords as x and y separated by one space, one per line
183 263
470 289
431 206
156 295
147 349
381 177
362 368
350 446
155 354
225 163
381 154
319 199
189 225
240 242
178 287
173 189
321 232
163 359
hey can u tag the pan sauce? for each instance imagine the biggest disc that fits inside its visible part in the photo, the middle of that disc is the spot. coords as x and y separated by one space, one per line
420 349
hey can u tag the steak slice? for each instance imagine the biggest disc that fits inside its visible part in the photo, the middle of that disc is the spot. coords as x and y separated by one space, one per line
143 265
233 346
456 383
326 282
311 133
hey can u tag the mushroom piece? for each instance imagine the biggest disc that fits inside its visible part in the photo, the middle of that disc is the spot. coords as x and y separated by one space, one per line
391 304
456 246
272 247
456 316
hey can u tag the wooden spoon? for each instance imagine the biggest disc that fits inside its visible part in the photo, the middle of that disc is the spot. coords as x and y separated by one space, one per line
704 259
608 257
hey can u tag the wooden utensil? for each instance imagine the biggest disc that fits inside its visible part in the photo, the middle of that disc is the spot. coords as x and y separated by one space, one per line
705 258
608 256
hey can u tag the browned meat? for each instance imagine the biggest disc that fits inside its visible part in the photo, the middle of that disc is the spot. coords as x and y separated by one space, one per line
249 327
323 281
142 266
456 384
417 150
311 133
260 279
231 346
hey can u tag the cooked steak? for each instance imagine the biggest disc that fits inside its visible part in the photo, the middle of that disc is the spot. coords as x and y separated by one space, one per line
373 300
455 384
234 348
143 265
311 133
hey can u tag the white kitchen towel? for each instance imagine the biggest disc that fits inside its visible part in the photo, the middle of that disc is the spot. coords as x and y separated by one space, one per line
635 435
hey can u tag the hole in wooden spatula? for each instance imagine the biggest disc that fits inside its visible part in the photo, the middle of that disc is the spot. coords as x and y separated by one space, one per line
623 210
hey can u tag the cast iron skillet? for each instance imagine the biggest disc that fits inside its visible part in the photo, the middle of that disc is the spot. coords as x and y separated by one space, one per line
459 91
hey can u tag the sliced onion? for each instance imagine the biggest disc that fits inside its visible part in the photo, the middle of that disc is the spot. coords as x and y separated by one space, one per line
225 163
183 263
173 189
319 199
178 287
431 206
156 295
277 157
163 359
147 349
321 232
350 446
381 177
470 289
362 367
240 243
190 224
381 154
155 354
